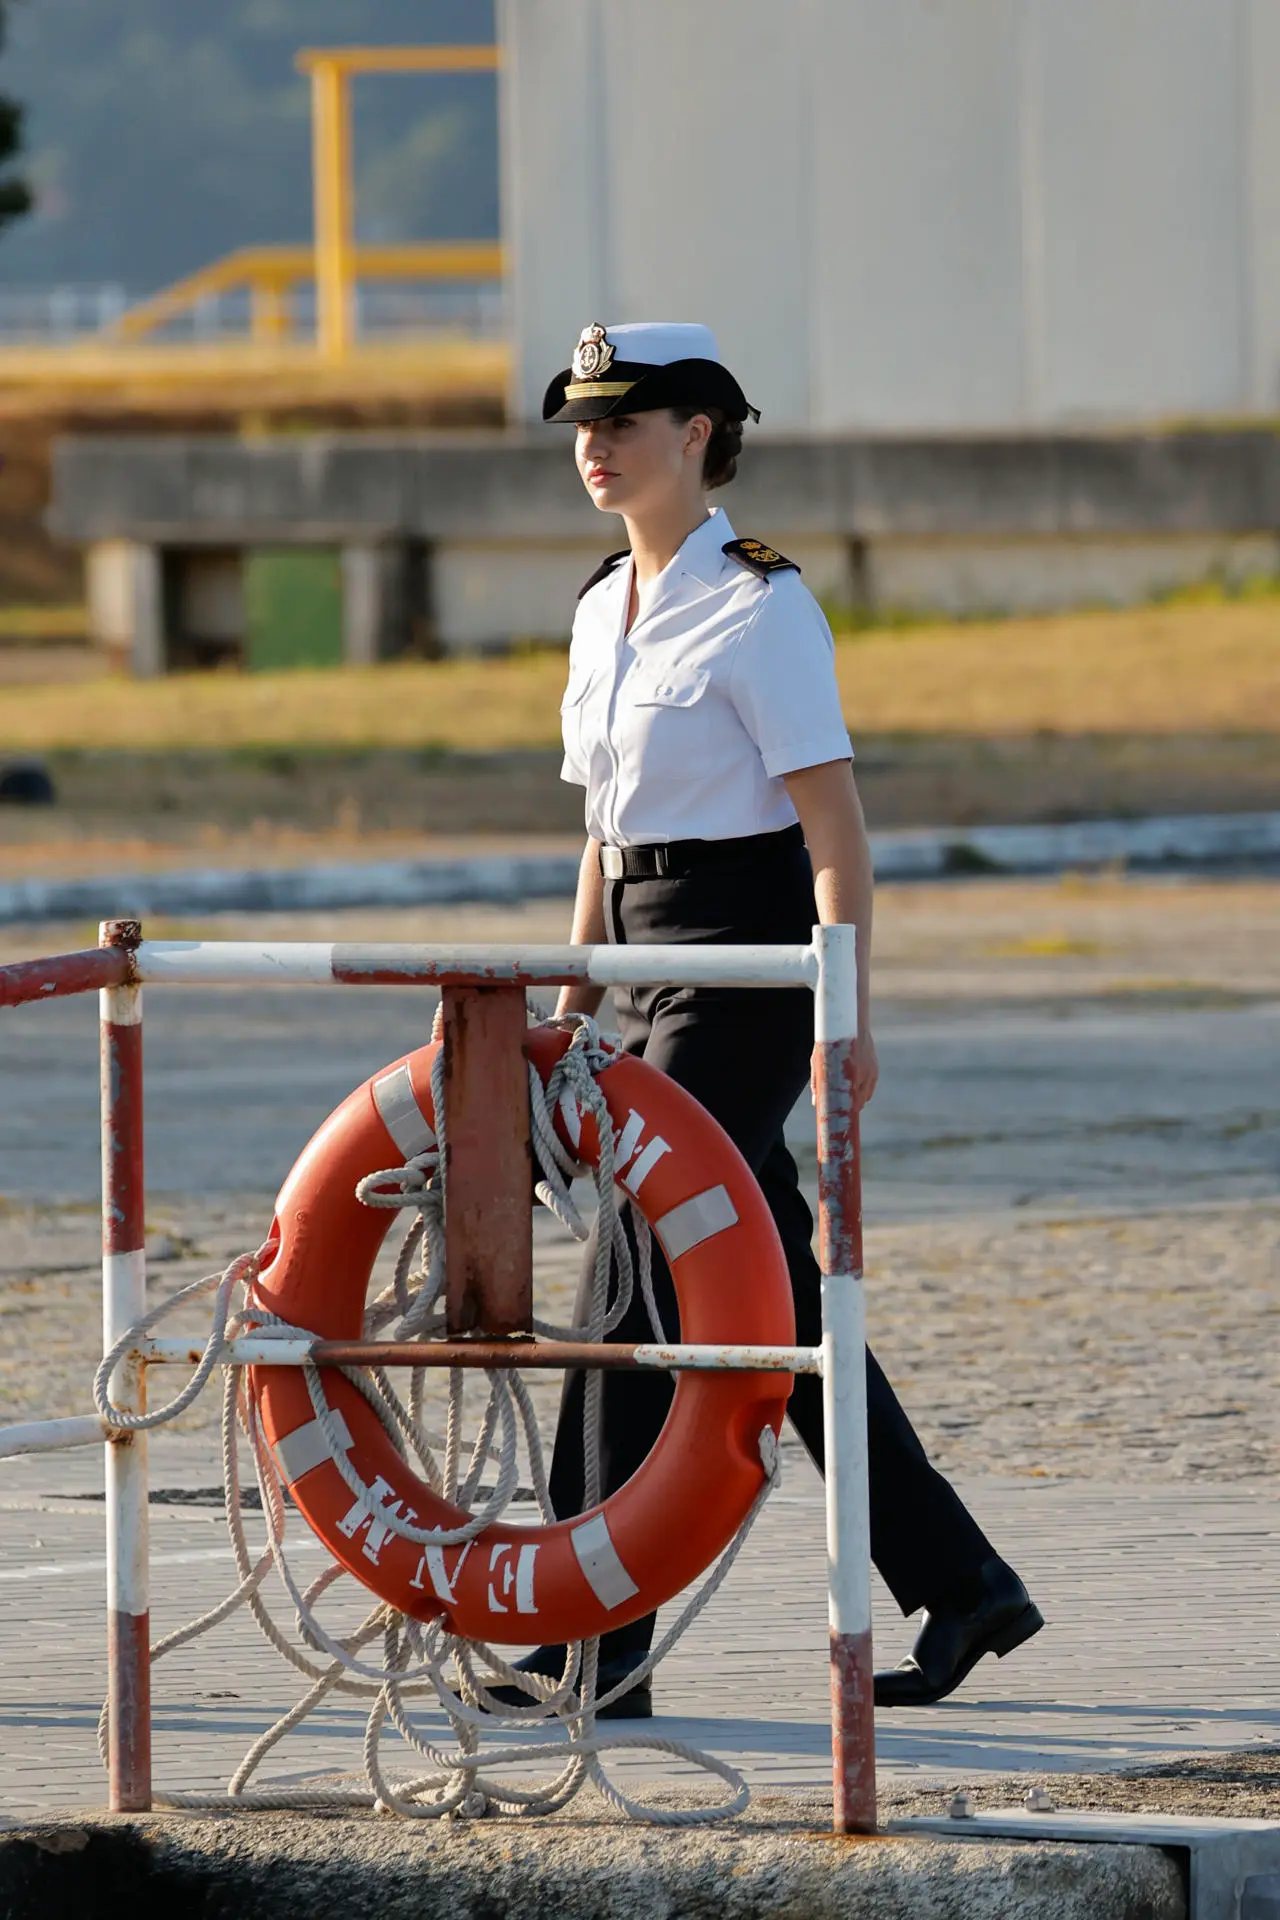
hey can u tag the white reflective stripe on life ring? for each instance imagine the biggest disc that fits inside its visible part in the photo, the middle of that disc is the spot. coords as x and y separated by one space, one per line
699 1218
402 1117
307 1447
605 1574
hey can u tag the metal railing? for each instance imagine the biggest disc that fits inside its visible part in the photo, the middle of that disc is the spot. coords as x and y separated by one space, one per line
269 294
46 315
374 314
119 968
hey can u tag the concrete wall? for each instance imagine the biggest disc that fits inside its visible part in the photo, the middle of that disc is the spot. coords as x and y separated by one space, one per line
210 490
935 214
479 540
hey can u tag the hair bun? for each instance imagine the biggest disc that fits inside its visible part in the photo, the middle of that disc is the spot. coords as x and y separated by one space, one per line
720 463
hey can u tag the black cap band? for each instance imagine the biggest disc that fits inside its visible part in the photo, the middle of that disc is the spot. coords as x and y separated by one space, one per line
635 386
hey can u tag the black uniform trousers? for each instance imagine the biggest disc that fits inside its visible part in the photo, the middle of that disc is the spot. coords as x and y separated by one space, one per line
744 1054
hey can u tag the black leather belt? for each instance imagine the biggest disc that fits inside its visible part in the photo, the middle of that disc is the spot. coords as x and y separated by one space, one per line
677 858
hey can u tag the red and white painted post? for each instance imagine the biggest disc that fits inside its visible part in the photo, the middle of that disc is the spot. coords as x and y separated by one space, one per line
844 1384
124 1300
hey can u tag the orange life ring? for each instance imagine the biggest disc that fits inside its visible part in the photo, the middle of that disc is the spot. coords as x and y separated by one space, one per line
656 1534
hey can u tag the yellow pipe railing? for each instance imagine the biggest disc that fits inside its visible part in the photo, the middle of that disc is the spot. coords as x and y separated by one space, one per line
441 59
331 69
335 263
271 272
252 373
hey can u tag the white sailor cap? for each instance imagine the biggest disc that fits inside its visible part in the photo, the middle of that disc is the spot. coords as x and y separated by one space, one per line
641 366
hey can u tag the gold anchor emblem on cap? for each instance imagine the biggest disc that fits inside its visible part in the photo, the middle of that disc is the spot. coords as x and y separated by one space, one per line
593 354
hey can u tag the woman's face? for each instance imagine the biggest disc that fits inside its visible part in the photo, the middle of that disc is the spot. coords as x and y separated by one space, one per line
634 461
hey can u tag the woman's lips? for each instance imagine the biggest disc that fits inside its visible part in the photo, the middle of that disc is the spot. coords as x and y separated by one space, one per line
598 474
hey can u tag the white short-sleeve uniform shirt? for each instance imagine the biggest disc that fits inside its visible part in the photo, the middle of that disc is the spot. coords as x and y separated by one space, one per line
683 728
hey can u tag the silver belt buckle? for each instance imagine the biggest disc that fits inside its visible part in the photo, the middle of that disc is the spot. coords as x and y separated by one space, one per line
611 863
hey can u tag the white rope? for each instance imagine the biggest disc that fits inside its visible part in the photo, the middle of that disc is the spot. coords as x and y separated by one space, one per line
424 1662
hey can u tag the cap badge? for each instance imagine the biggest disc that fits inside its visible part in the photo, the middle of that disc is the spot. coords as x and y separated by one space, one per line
593 354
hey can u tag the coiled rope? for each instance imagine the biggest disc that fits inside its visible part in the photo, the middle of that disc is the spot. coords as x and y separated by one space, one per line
422 1661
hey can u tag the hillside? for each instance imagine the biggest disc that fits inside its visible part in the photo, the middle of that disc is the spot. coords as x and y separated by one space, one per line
162 134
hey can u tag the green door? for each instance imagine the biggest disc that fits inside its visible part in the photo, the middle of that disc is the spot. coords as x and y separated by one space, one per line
293 608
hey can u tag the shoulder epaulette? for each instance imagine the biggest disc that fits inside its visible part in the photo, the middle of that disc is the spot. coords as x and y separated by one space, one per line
759 559
603 571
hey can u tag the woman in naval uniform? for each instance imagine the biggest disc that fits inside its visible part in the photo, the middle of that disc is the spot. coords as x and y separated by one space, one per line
702 717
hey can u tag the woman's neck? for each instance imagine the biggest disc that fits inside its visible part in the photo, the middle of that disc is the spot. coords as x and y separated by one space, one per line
656 538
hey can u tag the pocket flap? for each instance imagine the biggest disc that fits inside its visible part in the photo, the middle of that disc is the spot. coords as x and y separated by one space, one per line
678 687
580 678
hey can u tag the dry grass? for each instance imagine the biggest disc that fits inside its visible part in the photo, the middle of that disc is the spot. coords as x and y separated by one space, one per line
29 626
468 705
1167 670
1161 670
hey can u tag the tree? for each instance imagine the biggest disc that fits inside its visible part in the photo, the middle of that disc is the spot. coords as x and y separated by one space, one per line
15 195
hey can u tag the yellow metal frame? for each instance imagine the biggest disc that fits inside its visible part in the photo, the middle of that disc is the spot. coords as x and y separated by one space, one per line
270 273
251 374
337 264
125 361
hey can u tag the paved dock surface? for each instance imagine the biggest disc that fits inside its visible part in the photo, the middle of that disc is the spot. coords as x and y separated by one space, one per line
1162 1640
1072 1181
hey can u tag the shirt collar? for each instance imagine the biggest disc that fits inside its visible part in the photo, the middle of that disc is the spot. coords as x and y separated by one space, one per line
698 557
701 553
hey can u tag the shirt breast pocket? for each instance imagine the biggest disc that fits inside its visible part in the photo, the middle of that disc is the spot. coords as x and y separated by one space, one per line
581 675
671 724
572 715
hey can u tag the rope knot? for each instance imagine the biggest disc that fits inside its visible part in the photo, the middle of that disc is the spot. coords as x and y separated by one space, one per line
405 1186
770 1453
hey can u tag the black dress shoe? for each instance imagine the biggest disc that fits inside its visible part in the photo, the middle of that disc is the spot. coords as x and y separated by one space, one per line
953 1638
635 1704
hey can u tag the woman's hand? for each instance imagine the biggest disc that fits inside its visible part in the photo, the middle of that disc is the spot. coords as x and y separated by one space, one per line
866 1071
826 800
587 931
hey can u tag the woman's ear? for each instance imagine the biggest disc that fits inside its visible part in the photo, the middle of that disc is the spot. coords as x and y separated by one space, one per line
696 435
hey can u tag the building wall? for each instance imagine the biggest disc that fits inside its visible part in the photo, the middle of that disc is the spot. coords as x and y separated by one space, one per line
929 215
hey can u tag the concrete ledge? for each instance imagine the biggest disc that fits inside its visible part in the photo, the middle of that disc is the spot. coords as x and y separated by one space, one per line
516 486
1221 1859
593 1867
1147 846
495 533
313 889
1195 842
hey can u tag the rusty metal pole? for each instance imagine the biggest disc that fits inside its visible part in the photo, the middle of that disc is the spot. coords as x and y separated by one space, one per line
62 973
124 1299
488 1210
844 1385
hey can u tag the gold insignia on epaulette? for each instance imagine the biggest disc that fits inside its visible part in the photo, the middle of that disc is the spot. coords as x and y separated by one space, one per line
758 558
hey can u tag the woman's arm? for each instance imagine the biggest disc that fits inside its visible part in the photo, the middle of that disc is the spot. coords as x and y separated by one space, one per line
587 930
835 832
